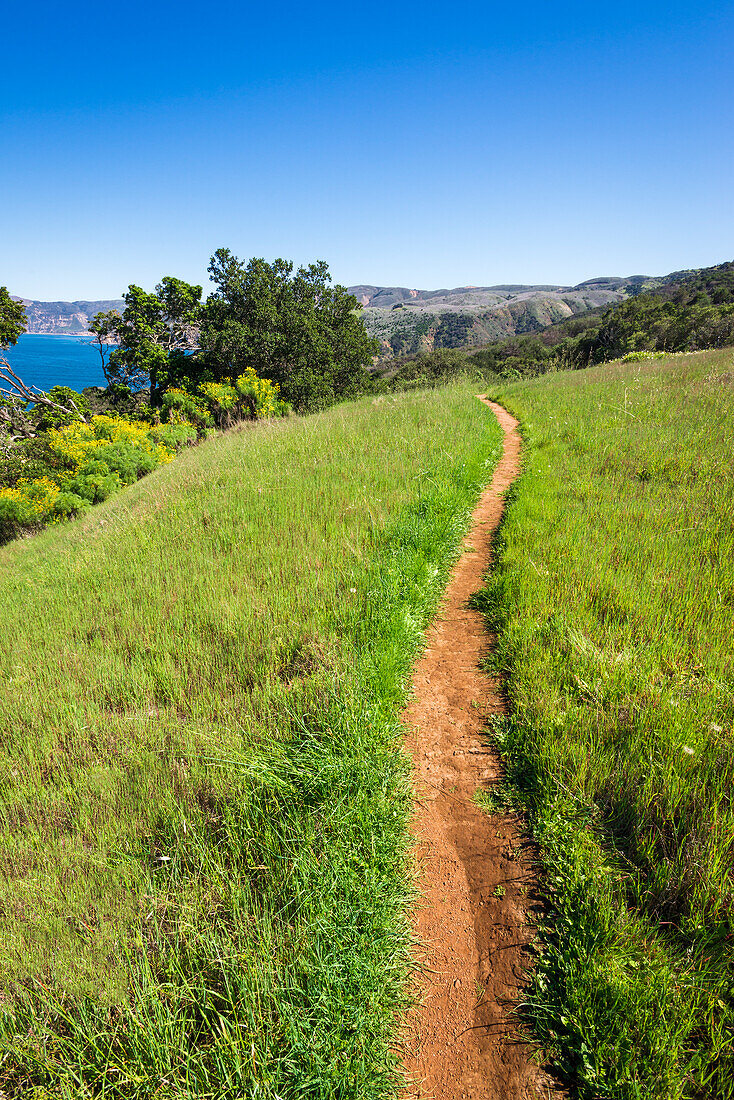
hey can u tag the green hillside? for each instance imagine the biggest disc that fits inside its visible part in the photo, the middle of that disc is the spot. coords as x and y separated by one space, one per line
204 801
684 311
613 601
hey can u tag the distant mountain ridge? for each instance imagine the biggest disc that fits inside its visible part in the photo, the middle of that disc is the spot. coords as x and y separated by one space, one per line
64 318
408 321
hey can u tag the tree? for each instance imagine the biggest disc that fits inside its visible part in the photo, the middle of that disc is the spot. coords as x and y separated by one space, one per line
12 319
296 330
151 341
26 410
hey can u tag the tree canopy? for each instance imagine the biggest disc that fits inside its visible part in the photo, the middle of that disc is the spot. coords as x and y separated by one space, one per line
294 329
147 344
12 319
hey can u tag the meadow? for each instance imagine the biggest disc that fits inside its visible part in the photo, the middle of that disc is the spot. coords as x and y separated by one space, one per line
613 601
203 798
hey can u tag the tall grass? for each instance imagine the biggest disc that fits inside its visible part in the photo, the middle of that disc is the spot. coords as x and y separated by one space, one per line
614 602
203 801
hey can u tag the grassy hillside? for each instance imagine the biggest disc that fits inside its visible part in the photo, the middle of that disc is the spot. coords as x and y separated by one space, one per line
204 802
614 604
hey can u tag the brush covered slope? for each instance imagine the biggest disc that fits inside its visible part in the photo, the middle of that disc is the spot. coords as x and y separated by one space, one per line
685 311
613 600
204 798
410 322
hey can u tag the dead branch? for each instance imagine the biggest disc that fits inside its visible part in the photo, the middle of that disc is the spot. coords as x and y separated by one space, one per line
14 389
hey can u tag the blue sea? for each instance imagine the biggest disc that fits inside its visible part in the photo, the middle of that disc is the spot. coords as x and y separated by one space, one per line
47 361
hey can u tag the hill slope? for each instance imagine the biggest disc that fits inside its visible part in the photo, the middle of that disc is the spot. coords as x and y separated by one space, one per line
204 803
613 602
408 322
683 311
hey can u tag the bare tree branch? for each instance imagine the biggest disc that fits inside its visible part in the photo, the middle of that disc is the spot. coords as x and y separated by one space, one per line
16 422
16 389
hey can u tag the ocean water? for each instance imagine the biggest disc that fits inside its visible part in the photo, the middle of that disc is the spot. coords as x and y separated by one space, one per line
47 361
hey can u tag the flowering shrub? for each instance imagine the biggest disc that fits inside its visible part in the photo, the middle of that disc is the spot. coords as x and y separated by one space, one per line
641 356
77 441
247 397
32 504
94 461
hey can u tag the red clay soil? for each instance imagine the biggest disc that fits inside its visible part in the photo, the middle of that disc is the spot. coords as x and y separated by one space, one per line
473 918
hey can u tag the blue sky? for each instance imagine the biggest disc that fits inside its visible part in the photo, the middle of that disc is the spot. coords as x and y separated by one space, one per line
419 145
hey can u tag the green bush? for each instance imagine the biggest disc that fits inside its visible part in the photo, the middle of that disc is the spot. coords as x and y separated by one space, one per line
55 418
11 517
642 356
174 436
94 482
178 406
68 504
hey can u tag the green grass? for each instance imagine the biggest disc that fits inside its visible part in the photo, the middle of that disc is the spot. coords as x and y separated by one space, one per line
204 801
613 598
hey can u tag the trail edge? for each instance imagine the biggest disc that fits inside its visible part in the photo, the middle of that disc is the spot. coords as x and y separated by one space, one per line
476 878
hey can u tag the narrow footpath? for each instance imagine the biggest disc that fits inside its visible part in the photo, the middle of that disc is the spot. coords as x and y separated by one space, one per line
473 920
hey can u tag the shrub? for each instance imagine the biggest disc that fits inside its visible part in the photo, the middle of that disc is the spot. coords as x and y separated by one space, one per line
29 505
175 436
77 442
12 514
26 459
94 481
245 398
641 356
181 407
86 464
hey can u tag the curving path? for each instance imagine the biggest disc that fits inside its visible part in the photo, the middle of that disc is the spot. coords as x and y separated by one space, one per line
476 874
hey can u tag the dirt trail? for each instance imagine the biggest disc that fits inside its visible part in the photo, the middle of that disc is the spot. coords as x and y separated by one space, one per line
476 884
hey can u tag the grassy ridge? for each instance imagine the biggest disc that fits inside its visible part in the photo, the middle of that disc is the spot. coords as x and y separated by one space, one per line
203 798
614 603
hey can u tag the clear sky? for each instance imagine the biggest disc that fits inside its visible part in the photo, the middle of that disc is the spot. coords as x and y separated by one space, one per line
413 144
